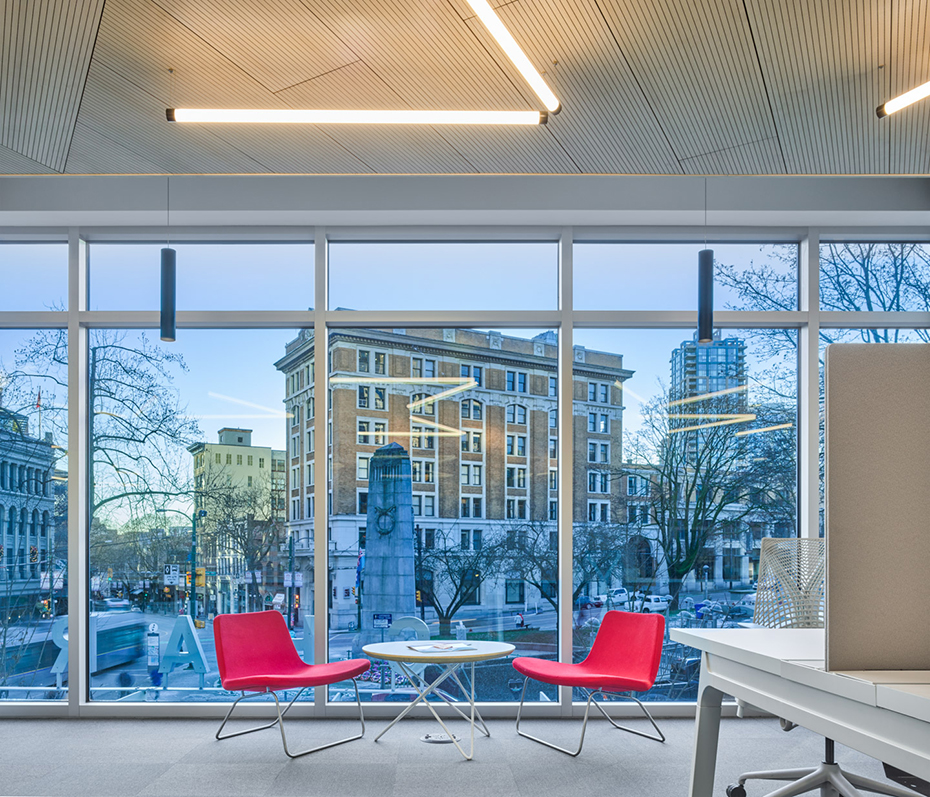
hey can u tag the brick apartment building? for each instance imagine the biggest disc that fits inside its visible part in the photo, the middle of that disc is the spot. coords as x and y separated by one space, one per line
477 411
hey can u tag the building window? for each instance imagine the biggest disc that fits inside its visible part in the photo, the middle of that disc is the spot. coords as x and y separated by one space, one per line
553 386
511 508
471 408
474 372
476 507
471 441
553 480
250 460
553 448
516 414
516 382
364 361
471 588
553 510
422 405
521 446
476 475
592 391
417 505
466 539
261 462
465 508
380 398
521 508
553 419
362 470
476 540
603 451
229 459
514 590
310 440
421 368
239 457
363 503
363 397
603 394
429 506
598 482
429 539
465 475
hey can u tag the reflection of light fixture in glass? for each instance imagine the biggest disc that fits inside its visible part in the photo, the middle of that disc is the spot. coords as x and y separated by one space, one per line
903 100
509 45
168 276
765 429
709 415
736 419
332 117
704 396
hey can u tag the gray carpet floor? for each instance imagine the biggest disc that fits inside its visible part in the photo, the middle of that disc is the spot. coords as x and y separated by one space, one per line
180 758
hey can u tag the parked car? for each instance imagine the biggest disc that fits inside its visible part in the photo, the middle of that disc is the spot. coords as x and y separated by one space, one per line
651 603
588 602
616 598
114 605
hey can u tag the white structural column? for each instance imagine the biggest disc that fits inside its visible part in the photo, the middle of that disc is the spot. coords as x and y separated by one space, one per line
80 460
320 459
565 426
809 387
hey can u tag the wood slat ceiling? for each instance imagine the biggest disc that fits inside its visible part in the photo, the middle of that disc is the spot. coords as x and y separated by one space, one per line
647 86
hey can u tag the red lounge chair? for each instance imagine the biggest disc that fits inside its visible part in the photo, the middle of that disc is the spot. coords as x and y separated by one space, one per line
256 655
623 659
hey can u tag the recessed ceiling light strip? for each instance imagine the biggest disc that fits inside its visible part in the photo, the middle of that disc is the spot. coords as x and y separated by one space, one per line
321 117
509 45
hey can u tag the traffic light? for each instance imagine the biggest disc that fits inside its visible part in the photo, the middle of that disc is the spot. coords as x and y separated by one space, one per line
353 590
187 579
419 597
201 576
33 554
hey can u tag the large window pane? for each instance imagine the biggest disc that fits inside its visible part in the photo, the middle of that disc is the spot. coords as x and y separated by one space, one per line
266 276
663 276
416 276
458 538
875 276
33 515
685 458
33 276
190 513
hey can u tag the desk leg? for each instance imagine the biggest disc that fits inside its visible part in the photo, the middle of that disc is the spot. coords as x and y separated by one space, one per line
706 733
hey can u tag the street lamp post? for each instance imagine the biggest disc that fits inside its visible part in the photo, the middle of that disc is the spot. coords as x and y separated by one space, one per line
706 568
192 603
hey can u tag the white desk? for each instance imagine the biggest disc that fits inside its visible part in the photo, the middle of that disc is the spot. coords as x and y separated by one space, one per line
884 714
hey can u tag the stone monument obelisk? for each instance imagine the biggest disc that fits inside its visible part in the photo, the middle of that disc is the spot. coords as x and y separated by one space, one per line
389 570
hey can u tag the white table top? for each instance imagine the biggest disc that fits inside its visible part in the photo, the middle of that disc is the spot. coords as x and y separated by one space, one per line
401 651
798 655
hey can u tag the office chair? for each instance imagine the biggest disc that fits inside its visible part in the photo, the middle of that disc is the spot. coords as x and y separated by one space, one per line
256 655
623 659
790 594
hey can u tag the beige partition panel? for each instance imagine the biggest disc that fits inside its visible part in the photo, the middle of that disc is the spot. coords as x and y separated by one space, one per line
878 506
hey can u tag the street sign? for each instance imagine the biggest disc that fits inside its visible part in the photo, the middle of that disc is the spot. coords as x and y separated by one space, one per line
153 628
172 575
381 620
257 575
298 579
288 579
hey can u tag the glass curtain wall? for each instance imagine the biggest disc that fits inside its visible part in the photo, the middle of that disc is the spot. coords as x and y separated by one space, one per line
484 502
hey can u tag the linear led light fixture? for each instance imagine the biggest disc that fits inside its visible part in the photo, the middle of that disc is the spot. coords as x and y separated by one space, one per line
319 117
908 98
508 44
495 27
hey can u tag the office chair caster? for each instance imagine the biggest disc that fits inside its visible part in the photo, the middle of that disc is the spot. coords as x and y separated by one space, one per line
736 790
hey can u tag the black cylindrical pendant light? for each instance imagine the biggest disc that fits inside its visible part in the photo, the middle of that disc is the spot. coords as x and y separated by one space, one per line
168 292
705 296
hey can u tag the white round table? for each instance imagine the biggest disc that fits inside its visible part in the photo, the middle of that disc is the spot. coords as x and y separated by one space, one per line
451 660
